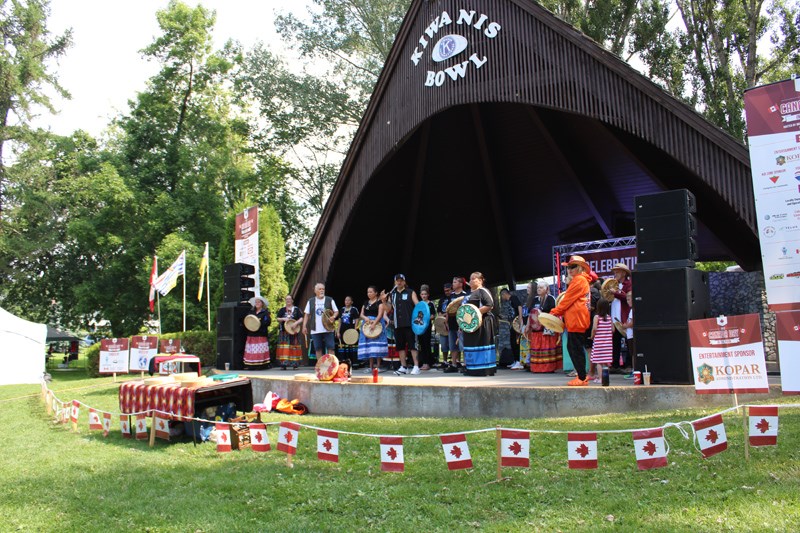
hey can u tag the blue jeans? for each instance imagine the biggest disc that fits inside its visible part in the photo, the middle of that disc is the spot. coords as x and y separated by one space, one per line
323 342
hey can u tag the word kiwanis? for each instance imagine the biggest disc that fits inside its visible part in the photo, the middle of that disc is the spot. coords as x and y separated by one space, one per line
452 45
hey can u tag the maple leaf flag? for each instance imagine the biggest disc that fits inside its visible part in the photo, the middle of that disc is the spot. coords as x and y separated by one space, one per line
515 448
259 441
94 420
75 412
710 435
456 451
392 459
106 424
141 427
328 446
287 437
223 437
763 425
582 450
125 426
162 427
650 447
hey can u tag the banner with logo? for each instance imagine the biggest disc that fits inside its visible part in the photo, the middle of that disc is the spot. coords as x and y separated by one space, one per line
601 261
113 356
728 355
788 330
170 346
773 130
246 241
143 348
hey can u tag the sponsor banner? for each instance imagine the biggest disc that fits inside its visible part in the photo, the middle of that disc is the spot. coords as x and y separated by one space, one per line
773 126
143 348
728 355
246 241
170 346
788 329
113 356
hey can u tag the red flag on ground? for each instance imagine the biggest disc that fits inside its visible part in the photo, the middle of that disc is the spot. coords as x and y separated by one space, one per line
763 425
75 411
125 426
141 427
94 420
456 451
106 424
223 436
259 441
153 278
582 451
710 434
515 448
287 437
392 459
162 427
327 446
651 450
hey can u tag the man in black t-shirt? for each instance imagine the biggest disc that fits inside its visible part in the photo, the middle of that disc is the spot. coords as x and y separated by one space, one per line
459 291
402 300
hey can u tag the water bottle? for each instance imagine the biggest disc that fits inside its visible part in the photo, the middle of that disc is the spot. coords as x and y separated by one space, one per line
604 378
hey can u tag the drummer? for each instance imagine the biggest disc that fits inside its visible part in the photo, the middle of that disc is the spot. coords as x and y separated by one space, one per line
574 307
347 353
480 357
402 300
256 346
454 338
426 356
444 344
322 338
372 314
619 311
290 351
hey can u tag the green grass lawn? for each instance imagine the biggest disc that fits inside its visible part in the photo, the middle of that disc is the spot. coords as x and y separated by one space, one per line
56 480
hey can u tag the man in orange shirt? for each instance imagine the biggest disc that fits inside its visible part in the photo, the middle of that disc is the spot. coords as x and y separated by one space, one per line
574 307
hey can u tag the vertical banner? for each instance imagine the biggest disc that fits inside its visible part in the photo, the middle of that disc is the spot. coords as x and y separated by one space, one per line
773 132
143 348
113 356
246 241
788 333
728 355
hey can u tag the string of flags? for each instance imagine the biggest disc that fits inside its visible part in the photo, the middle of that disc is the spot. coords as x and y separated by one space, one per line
513 445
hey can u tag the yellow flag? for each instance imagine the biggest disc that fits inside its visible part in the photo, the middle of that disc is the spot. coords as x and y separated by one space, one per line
203 268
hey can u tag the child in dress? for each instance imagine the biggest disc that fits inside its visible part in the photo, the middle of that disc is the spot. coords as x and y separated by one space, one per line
602 339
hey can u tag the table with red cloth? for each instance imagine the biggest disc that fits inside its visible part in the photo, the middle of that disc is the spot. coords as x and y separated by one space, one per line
136 397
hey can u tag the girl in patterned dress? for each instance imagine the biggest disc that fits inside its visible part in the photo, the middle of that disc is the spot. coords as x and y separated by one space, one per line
375 349
290 351
256 347
602 339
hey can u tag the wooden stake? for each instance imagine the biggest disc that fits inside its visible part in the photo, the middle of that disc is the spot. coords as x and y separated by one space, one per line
49 403
289 460
153 431
114 375
746 425
499 454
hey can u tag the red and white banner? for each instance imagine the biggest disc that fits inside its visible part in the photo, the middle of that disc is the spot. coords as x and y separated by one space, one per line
125 426
113 356
223 436
601 261
170 346
710 434
287 437
143 348
94 420
773 123
650 447
788 334
763 425
259 441
582 450
392 459
515 448
246 241
327 446
728 355
456 451
106 424
141 427
75 411
162 427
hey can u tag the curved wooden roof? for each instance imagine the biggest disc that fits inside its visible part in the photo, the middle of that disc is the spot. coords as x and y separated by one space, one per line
536 136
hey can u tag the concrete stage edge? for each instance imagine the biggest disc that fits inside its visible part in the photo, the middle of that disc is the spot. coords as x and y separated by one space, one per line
507 395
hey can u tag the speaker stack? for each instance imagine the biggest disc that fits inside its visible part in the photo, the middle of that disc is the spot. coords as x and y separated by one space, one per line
230 334
667 290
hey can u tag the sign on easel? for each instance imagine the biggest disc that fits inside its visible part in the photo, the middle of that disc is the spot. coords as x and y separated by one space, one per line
113 356
728 355
143 349
788 329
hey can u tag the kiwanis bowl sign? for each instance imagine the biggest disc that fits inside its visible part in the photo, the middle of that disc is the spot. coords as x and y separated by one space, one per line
452 55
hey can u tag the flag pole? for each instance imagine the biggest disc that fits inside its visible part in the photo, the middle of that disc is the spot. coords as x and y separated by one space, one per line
158 303
208 289
184 290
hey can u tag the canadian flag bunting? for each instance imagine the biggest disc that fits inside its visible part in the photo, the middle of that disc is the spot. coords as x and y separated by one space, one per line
287 437
327 446
582 450
259 441
456 451
106 424
73 414
94 420
651 450
764 426
710 435
223 437
515 448
162 427
392 459
141 427
125 426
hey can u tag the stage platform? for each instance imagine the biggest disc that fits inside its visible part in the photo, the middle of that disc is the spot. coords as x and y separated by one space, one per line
508 394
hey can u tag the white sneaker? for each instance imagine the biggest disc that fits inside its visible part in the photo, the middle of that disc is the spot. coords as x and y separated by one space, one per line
517 366
400 371
415 371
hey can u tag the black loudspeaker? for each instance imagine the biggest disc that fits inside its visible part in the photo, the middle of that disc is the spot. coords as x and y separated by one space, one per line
230 335
666 230
238 283
670 297
665 203
665 351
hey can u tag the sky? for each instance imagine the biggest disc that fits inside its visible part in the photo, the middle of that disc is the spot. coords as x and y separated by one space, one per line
104 69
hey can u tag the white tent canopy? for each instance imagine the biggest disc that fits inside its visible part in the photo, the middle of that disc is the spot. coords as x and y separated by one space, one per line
22 349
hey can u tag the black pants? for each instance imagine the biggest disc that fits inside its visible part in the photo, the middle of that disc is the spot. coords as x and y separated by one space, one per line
425 352
514 346
577 352
616 338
